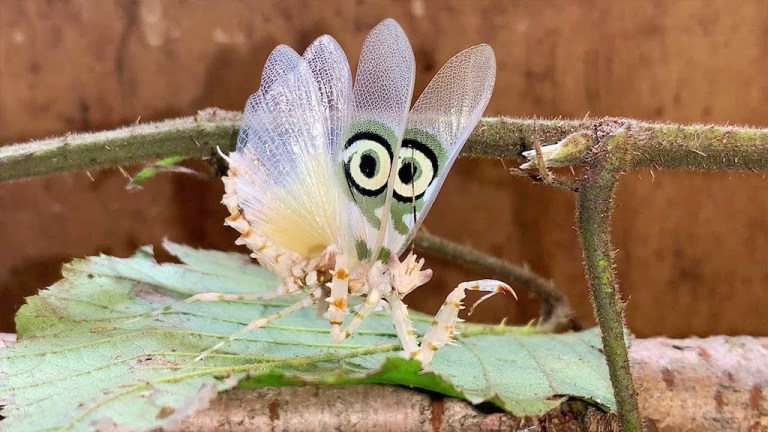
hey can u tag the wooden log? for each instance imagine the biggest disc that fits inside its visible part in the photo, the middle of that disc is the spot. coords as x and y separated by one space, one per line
710 384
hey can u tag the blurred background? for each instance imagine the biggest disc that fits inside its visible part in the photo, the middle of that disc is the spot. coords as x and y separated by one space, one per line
691 247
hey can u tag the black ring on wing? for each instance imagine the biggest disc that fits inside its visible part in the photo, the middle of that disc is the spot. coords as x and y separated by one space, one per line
429 154
369 136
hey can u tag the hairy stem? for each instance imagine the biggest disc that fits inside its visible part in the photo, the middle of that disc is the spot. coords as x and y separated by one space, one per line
647 145
594 209
594 206
201 135
197 136
663 146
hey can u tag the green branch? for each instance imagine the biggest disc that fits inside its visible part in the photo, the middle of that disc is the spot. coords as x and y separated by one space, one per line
593 214
659 146
201 135
197 136
655 145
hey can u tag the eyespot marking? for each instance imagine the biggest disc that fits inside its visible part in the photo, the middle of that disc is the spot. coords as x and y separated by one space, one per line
417 169
367 163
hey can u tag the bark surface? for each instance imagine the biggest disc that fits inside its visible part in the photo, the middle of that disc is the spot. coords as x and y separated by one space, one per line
711 384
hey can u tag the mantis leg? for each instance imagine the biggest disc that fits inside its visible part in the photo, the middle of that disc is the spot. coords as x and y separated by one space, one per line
404 326
337 301
209 297
261 322
443 326
370 304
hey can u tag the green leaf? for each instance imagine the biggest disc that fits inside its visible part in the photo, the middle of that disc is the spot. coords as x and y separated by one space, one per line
154 169
81 362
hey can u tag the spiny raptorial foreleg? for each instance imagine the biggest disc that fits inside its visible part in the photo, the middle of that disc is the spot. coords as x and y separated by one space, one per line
443 329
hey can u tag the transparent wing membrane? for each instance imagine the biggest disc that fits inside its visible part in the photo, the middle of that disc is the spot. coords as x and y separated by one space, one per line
285 176
438 126
381 99
330 68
